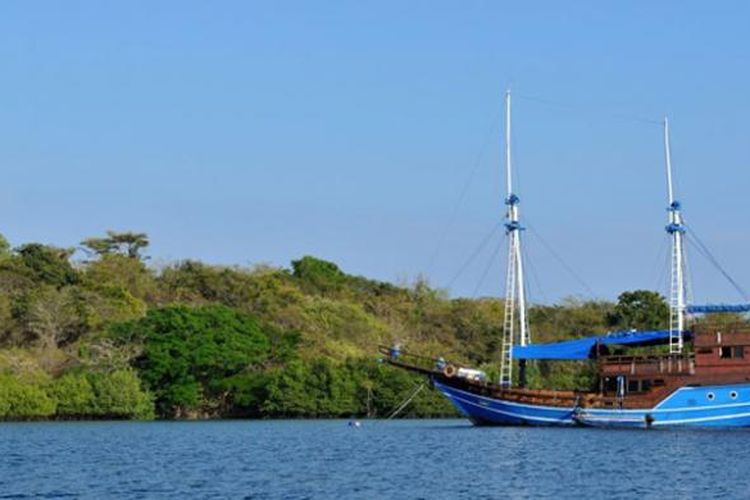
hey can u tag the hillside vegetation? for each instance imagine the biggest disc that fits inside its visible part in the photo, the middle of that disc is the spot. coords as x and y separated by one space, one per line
111 337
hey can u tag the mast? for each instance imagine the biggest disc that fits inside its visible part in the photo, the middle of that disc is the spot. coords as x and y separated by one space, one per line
515 293
676 230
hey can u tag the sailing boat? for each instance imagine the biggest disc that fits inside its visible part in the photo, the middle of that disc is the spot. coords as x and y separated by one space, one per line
703 380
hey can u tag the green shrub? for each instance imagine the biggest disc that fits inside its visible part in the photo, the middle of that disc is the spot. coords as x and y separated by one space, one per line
119 395
74 395
116 395
318 274
23 400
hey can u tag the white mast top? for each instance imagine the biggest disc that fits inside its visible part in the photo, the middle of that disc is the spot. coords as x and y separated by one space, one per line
508 176
668 157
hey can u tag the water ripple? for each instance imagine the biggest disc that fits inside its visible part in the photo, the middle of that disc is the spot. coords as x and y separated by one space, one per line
324 459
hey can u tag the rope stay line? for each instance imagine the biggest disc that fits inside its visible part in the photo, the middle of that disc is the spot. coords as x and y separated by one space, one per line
454 213
406 402
705 252
487 269
688 275
559 258
474 254
658 269
580 109
534 278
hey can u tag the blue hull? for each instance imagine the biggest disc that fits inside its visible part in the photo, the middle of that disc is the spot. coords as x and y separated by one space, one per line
705 406
484 410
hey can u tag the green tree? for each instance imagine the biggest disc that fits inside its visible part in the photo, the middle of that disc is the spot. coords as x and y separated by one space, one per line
54 317
4 247
318 274
190 354
127 243
118 272
48 264
640 310
290 394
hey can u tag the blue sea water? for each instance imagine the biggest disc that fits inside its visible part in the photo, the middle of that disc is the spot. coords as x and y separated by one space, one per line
397 459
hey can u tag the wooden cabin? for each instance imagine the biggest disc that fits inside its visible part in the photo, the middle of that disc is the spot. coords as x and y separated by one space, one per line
637 381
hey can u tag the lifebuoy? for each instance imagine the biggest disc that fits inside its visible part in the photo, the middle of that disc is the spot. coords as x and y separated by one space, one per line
449 371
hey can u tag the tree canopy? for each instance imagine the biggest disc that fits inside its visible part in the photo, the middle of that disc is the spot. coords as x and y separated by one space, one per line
190 354
641 310
127 243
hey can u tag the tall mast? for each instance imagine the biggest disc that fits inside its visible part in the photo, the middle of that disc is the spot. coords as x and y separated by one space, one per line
515 293
676 230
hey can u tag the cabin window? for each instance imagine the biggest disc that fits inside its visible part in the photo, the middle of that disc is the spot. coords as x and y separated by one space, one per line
639 385
732 352
610 385
733 394
659 382
705 350
710 396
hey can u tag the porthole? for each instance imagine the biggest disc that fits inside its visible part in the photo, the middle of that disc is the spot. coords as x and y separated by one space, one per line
733 394
710 396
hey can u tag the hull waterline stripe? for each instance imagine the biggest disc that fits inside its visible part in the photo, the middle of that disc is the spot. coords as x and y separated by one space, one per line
613 420
701 419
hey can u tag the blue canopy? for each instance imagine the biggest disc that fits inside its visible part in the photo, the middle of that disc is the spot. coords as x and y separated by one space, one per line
718 308
583 348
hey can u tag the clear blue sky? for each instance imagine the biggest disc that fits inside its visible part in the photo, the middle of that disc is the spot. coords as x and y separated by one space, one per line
246 132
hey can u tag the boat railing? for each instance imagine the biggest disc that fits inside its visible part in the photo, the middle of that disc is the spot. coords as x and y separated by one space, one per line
649 364
395 355
544 396
727 328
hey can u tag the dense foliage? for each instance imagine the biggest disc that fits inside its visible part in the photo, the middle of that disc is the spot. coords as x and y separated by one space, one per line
195 356
106 336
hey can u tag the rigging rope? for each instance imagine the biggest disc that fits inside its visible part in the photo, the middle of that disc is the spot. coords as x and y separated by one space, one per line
569 107
559 259
408 400
534 277
665 266
474 255
703 250
657 268
688 277
487 269
464 190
